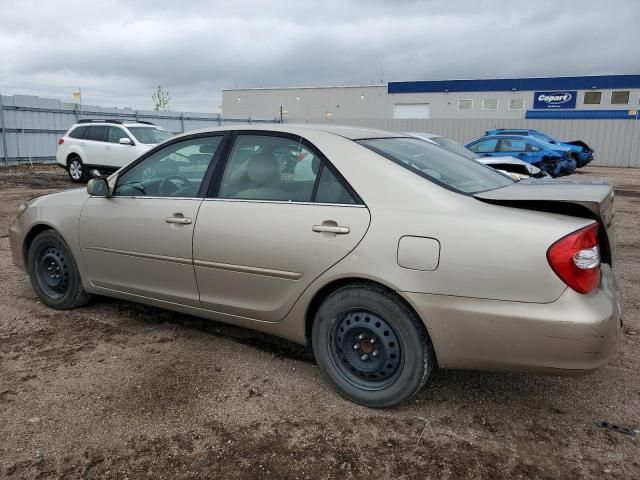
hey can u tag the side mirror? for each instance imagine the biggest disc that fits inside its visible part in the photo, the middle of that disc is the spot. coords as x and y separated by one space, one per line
125 141
98 187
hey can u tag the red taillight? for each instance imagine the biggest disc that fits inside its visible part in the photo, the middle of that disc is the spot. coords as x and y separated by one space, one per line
576 259
60 141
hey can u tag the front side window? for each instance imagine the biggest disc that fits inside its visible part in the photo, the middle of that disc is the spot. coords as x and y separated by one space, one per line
97 133
438 165
465 104
149 135
176 170
484 146
115 134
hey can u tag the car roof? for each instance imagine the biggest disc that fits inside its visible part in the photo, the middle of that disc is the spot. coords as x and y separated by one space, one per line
351 133
124 123
422 134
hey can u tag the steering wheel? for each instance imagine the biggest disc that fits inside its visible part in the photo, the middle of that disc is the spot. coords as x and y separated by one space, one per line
169 188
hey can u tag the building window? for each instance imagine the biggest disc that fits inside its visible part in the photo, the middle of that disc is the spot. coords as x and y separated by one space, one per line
464 104
516 104
592 98
410 110
490 104
620 98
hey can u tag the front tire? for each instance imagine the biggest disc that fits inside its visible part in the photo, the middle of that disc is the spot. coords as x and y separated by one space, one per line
54 274
371 346
77 171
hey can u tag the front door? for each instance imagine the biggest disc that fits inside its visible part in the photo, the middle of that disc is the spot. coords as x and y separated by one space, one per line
281 218
139 240
117 154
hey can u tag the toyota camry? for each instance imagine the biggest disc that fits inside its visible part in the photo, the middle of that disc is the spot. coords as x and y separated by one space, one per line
390 256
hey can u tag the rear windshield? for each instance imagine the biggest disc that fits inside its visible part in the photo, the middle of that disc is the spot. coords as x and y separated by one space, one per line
454 147
438 165
149 135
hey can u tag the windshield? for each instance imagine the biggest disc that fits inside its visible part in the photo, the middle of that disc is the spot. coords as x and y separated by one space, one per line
454 147
149 135
441 166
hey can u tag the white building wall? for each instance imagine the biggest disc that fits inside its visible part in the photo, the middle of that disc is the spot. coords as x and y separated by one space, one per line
373 102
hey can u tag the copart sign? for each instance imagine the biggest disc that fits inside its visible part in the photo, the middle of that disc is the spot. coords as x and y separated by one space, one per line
555 99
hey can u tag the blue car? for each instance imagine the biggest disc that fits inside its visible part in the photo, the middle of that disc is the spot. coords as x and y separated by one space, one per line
579 150
554 159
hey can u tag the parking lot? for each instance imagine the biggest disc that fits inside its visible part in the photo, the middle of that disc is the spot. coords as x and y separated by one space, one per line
120 390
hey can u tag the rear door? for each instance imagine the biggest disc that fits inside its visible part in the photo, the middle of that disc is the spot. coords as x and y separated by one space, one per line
94 144
278 216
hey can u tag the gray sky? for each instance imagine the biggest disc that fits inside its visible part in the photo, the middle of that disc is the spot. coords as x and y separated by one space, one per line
119 51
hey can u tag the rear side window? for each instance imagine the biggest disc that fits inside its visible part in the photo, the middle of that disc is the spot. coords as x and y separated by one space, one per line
331 190
77 132
438 165
512 145
268 167
96 133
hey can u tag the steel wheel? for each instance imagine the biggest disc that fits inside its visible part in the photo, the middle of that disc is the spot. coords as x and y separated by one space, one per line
52 272
366 348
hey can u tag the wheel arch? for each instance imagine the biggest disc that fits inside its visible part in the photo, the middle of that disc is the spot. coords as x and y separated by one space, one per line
33 232
72 154
336 284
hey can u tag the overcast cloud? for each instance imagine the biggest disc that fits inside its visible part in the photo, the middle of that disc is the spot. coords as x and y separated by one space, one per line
117 52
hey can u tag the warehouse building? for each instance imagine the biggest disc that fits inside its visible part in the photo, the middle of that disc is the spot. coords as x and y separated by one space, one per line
600 110
586 97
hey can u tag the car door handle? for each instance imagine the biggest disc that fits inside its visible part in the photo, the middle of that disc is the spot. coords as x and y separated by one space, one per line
179 220
338 230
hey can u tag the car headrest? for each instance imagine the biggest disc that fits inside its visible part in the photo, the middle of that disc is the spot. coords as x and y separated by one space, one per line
207 148
263 169
315 165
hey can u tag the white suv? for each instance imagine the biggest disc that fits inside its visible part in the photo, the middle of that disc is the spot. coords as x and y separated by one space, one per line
105 145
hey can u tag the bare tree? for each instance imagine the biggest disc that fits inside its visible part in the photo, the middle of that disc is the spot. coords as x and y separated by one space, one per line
161 100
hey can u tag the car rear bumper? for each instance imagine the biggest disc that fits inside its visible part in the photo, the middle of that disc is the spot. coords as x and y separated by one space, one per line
572 335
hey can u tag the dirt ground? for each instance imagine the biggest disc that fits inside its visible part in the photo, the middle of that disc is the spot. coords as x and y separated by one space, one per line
119 390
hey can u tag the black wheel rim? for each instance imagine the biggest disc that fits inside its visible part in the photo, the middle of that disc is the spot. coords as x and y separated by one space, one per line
365 349
52 271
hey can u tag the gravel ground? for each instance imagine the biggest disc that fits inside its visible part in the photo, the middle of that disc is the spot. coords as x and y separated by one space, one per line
119 390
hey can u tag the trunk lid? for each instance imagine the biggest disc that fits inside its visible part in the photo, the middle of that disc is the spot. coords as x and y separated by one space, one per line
592 198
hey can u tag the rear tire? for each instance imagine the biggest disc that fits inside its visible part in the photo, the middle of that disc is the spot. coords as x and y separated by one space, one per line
77 171
371 346
54 274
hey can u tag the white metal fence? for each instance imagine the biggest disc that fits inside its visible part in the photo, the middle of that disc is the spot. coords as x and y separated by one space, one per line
616 141
31 126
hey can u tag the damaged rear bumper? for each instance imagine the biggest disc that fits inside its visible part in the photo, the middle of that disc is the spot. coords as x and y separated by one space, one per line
574 334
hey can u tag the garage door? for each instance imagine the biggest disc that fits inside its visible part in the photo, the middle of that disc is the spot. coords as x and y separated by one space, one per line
410 110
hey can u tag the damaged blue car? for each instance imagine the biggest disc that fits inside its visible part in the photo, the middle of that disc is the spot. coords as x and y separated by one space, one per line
554 159
582 153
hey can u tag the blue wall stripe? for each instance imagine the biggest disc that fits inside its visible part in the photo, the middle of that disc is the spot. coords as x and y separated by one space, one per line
506 84
580 114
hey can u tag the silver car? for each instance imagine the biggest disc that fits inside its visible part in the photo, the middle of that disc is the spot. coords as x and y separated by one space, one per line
389 255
